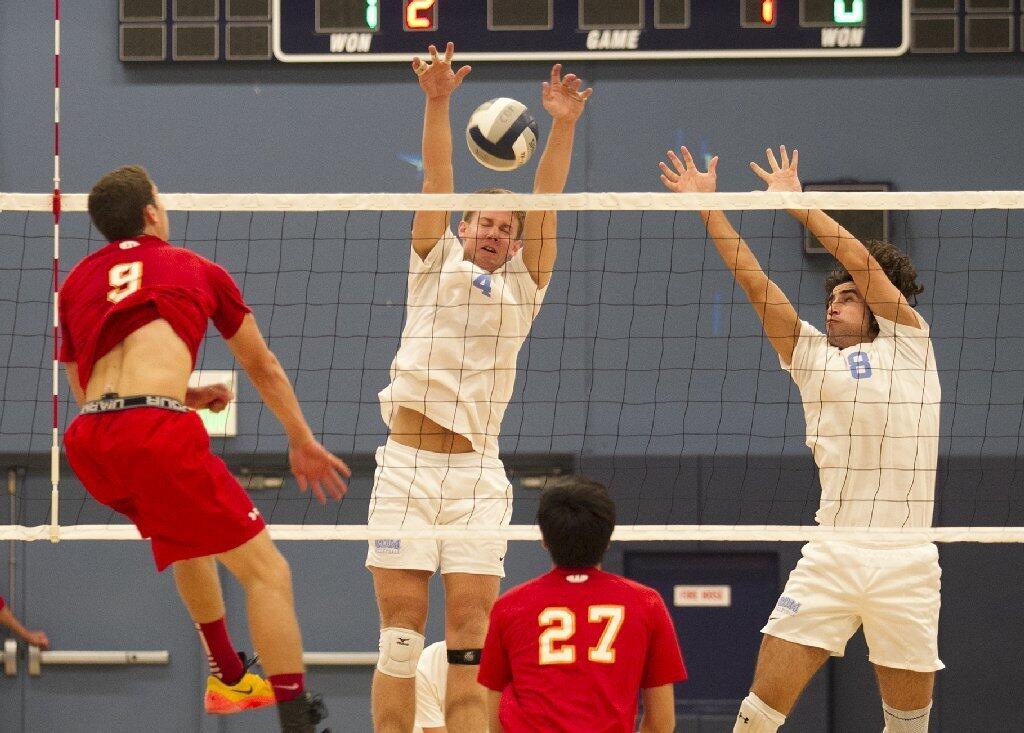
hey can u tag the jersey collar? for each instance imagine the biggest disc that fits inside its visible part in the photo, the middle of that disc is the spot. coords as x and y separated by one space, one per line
143 240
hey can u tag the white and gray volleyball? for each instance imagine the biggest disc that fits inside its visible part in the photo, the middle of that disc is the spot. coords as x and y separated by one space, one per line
502 134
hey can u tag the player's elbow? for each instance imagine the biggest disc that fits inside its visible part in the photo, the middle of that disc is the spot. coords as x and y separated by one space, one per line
439 180
264 369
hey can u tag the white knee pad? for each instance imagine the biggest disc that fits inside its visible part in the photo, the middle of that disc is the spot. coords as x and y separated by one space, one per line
756 716
906 721
400 650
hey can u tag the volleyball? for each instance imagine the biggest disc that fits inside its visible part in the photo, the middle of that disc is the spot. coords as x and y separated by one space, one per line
502 134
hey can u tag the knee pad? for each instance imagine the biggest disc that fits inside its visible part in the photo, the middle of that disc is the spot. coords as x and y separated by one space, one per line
400 650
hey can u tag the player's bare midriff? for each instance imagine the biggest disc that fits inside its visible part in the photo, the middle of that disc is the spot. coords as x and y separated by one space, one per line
152 360
418 431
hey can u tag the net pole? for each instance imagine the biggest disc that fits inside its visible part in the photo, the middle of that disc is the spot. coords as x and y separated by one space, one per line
54 444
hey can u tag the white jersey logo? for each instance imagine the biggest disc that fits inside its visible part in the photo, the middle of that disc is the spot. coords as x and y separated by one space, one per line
130 244
580 578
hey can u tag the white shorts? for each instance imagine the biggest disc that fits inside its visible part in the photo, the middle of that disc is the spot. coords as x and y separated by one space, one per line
892 591
414 488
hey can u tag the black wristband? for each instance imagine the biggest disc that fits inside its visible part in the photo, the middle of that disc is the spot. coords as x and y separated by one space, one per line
464 656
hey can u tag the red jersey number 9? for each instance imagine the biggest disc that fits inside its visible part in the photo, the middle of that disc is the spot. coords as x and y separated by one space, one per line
559 625
124 280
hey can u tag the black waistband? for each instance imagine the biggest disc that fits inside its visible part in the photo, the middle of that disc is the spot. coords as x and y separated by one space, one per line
112 403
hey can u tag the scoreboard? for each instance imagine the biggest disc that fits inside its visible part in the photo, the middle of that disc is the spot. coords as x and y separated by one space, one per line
525 30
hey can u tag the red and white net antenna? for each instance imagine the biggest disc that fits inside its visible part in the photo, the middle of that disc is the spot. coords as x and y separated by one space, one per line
54 446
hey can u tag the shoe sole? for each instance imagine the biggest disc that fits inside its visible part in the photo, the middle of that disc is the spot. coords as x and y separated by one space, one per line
220 706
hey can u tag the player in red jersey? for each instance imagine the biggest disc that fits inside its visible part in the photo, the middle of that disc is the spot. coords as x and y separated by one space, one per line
132 317
571 650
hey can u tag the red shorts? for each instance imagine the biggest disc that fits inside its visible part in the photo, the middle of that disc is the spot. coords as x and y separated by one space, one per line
155 466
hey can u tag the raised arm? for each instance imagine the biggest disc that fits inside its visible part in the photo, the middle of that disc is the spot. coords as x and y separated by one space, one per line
438 81
778 317
314 467
564 101
883 298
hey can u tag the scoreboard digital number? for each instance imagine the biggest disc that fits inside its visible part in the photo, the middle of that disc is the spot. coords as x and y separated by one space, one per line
524 30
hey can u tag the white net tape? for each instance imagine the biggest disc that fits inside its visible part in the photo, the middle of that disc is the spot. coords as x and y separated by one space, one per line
755 201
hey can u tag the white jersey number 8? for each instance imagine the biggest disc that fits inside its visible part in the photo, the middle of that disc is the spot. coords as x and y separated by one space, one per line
559 625
124 280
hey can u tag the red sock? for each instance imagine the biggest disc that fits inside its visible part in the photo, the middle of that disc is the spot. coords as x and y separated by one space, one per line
287 686
224 661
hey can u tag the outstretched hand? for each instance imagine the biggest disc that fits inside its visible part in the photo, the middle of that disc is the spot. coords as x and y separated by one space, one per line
562 97
437 79
781 177
37 638
318 469
685 176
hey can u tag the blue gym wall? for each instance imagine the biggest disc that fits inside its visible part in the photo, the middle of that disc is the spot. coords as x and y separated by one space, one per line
921 123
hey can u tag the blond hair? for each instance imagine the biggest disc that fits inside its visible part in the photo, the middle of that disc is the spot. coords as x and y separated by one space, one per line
519 216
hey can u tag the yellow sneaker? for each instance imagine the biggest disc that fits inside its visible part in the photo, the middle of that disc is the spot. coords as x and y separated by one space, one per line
250 692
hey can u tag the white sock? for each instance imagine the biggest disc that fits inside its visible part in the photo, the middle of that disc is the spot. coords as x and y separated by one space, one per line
756 716
906 721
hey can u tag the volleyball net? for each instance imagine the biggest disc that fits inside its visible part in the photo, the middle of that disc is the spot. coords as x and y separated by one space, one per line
646 368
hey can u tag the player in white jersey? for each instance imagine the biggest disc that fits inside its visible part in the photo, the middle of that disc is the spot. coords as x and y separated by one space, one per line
470 304
431 682
871 403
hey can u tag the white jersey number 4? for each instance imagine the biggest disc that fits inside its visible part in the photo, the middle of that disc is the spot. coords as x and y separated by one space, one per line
559 626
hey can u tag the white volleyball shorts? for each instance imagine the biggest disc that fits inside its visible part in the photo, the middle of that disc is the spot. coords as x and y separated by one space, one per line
892 591
416 489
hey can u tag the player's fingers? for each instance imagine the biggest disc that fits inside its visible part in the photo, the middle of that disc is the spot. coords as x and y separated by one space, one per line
336 485
795 161
419 67
303 483
432 50
784 156
340 466
713 165
687 157
670 185
318 492
761 172
585 94
463 73
667 172
556 73
771 160
676 163
449 51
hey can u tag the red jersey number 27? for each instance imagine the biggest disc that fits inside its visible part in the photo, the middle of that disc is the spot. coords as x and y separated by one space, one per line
124 280
559 626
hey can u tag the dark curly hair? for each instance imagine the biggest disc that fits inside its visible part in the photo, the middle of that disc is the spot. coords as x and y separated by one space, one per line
897 266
